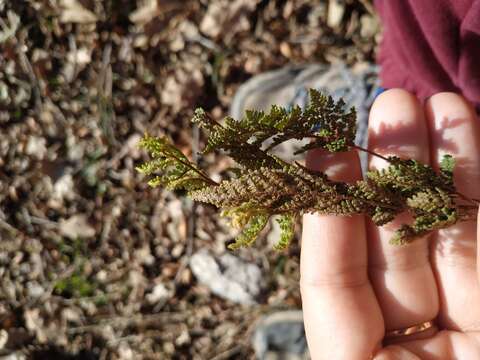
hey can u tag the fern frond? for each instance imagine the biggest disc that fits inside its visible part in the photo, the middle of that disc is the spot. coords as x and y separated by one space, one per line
447 164
176 171
264 186
251 231
323 119
424 224
408 176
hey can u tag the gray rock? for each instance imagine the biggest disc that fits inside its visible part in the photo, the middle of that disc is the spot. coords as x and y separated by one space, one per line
159 294
34 289
76 226
288 86
228 276
280 336
36 147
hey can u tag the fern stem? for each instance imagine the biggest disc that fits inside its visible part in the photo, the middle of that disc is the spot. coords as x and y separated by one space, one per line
204 176
354 146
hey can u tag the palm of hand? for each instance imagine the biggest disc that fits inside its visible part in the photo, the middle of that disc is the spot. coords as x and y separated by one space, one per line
356 287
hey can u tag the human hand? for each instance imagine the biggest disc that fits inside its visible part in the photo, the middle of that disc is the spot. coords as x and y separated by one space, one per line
356 287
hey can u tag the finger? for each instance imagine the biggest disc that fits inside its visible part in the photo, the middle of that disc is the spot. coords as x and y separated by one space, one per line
454 130
445 345
341 315
478 247
401 275
395 352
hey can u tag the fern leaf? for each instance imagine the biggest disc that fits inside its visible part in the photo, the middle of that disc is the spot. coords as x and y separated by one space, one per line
287 228
250 233
174 168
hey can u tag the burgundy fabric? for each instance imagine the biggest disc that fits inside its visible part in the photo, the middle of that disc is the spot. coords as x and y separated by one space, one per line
430 46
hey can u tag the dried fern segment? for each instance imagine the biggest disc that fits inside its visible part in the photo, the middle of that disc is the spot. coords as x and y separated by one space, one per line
266 186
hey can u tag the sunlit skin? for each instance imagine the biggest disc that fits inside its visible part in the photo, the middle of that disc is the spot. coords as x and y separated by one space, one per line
356 286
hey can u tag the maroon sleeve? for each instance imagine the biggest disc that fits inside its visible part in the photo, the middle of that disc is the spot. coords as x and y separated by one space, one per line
430 46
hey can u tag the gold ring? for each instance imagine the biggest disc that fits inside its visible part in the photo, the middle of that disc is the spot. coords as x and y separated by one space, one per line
415 329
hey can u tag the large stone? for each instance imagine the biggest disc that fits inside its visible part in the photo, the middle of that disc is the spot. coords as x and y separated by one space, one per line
228 276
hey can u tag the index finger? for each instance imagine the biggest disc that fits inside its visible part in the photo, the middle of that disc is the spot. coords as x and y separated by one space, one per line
341 314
